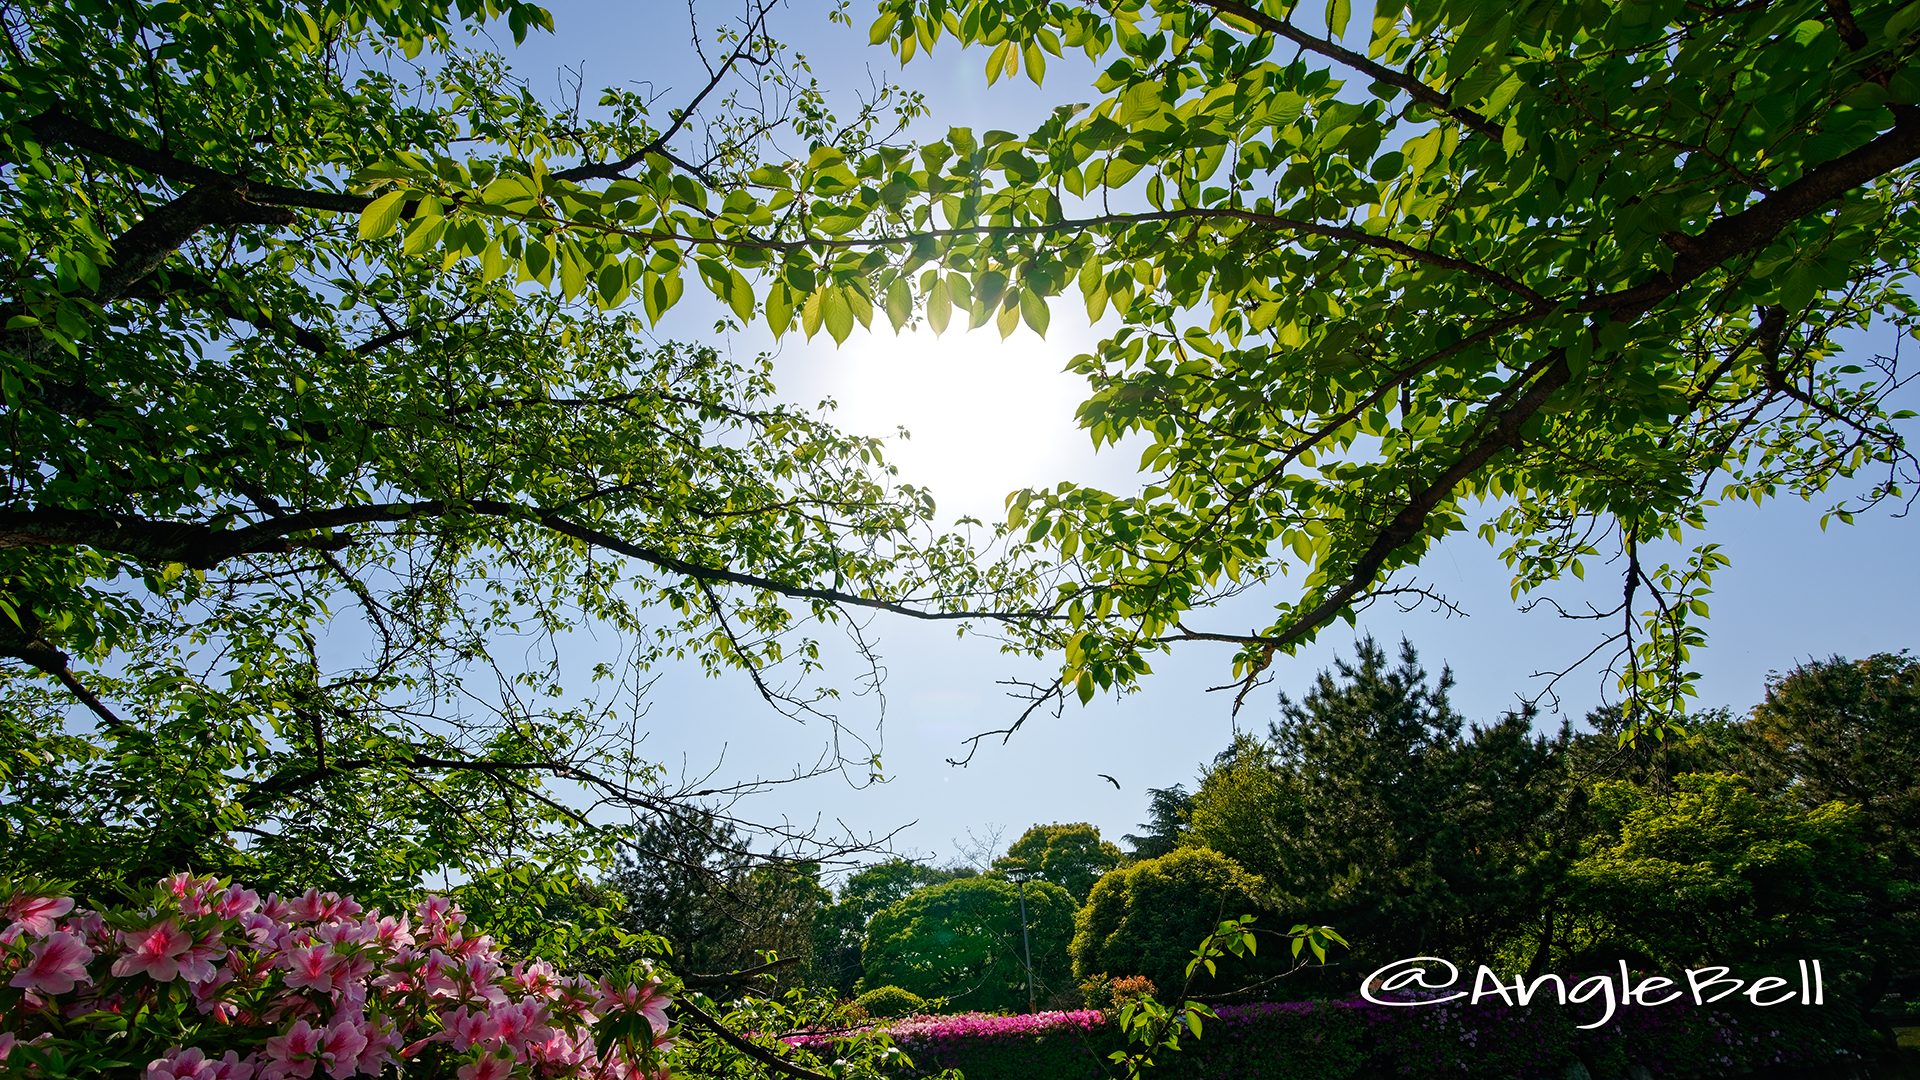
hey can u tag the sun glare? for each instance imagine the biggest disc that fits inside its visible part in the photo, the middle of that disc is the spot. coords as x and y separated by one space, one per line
986 416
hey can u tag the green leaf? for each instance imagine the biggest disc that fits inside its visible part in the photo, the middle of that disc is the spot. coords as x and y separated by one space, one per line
836 313
1903 21
1284 109
899 303
1009 318
812 311
997 61
740 298
779 307
1338 12
939 307
379 218
1033 308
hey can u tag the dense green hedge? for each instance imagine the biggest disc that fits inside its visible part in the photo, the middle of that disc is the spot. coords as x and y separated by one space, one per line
1357 1041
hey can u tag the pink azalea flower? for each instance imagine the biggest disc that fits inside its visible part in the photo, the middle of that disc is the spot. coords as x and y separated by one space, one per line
196 965
648 1000
191 892
54 965
393 933
234 901
192 1064
350 974
208 996
380 1048
465 947
304 909
467 1029
563 1052
436 975
438 909
233 1067
292 1054
316 906
491 1067
340 1048
91 927
310 967
534 979
6 1044
155 951
263 931
35 914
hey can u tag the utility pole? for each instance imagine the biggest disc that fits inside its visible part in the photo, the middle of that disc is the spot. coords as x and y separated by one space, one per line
1020 874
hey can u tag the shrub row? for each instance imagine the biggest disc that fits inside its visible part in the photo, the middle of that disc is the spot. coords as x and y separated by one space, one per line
1354 1040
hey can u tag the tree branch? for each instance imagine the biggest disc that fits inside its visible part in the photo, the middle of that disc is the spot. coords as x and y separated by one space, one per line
141 250
203 547
52 661
57 126
1421 92
614 170
752 1049
1754 228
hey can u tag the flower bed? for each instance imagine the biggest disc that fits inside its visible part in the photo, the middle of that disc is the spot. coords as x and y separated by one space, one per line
1055 1045
210 982
1341 1040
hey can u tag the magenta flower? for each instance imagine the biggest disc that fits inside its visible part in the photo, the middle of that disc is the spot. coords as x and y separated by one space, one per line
191 892
381 1045
340 1047
534 979
54 965
35 914
393 933
339 968
92 929
196 965
564 1053
192 1064
292 1054
309 967
648 1000
490 1067
233 902
155 951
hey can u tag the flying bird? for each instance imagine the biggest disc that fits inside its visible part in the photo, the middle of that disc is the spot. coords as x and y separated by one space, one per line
1109 779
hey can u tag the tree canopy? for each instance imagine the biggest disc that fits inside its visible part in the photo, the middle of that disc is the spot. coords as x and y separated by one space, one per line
1847 731
317 319
841 930
284 473
962 940
1143 919
1592 264
1070 856
1715 871
1373 807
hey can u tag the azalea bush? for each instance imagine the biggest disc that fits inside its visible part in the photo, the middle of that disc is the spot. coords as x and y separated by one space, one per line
1351 1039
207 981
984 1046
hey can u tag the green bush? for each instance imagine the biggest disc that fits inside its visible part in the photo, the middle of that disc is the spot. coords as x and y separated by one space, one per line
1144 919
887 1001
962 941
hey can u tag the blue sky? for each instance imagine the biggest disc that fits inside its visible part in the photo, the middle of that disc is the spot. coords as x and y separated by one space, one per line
989 416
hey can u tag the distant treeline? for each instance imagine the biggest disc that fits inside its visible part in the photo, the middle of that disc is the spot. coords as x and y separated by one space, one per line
1372 806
